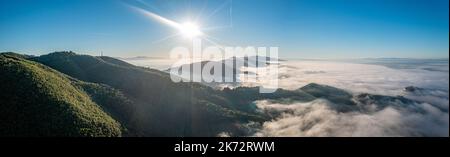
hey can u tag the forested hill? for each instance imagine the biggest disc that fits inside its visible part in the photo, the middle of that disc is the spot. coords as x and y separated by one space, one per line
38 101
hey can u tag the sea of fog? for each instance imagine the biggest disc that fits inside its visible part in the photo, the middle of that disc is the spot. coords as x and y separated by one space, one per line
427 116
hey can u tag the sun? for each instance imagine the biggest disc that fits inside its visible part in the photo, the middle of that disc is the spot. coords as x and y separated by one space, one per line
190 30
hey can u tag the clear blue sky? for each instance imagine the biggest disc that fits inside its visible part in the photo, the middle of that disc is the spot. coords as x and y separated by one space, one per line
301 28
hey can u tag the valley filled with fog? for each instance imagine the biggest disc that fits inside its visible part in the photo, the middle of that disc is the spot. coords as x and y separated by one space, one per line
392 97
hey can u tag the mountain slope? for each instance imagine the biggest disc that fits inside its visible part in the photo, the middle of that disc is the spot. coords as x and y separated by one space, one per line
164 108
38 101
115 104
333 94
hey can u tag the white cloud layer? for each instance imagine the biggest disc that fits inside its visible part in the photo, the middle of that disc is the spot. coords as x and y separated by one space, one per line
360 78
428 116
320 118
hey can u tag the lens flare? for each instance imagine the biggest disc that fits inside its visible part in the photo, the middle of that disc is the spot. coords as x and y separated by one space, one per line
187 29
190 30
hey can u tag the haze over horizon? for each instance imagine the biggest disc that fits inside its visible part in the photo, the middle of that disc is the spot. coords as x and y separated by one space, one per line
301 29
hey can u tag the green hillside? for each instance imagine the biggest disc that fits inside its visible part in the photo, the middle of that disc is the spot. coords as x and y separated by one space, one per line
38 101
115 104
164 108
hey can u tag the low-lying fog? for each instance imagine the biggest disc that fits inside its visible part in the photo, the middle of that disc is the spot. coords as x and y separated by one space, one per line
426 82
